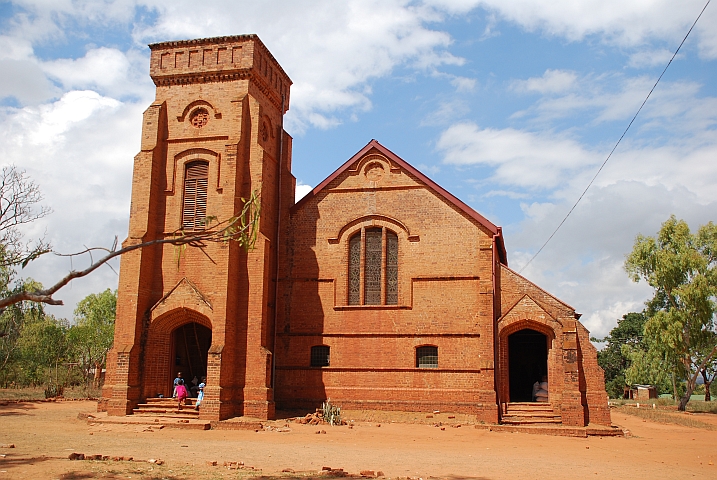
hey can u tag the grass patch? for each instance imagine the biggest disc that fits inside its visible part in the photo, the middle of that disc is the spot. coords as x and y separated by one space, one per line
702 407
694 406
38 393
666 416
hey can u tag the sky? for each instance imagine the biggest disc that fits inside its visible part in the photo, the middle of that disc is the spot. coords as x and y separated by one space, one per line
511 105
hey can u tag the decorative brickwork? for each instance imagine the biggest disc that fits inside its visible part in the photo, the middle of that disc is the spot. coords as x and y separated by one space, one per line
378 290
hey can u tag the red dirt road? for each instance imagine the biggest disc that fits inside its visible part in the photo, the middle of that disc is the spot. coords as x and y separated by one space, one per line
44 434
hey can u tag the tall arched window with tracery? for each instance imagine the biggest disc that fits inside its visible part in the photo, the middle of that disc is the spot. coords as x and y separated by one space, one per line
196 181
373 267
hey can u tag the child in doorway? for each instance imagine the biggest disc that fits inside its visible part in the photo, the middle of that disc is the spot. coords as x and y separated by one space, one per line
177 381
200 394
182 395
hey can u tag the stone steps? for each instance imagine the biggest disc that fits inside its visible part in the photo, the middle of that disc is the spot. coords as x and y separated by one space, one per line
530 413
166 407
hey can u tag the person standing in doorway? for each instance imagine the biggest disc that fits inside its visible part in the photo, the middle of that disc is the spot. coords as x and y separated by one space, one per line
177 381
200 393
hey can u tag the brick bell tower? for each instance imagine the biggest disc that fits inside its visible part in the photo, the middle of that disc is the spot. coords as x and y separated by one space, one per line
213 135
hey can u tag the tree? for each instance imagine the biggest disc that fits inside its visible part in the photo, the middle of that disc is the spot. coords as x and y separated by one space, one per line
19 204
92 335
613 359
12 323
681 267
42 347
708 375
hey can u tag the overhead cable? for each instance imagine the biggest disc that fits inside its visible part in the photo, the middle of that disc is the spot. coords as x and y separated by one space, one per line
618 142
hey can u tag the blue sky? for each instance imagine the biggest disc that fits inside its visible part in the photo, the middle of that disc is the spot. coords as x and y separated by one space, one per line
510 105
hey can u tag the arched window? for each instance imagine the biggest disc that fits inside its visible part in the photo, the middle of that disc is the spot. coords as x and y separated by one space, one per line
196 181
373 267
427 357
320 356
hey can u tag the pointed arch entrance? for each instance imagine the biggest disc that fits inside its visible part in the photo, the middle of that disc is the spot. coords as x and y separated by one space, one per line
527 363
526 353
177 341
190 343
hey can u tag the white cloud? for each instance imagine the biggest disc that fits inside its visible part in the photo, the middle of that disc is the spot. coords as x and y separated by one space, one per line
520 158
552 81
79 150
331 49
464 84
651 58
24 81
107 70
617 22
301 190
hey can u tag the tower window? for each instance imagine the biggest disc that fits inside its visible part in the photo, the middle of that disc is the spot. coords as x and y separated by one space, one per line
376 250
427 357
320 356
196 181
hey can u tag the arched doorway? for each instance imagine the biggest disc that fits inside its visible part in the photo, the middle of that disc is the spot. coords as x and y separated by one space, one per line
190 343
527 362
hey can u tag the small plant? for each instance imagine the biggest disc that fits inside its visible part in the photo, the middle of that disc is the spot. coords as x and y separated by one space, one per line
331 413
53 391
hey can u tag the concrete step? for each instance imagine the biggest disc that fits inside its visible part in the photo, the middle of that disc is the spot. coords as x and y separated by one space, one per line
530 406
516 420
166 413
547 414
159 406
155 422
168 401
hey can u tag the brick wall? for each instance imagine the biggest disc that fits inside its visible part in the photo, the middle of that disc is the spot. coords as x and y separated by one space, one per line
444 300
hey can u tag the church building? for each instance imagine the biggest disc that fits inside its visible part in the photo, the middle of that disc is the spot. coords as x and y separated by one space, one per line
379 289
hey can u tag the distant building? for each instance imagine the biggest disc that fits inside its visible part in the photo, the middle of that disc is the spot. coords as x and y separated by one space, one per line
379 289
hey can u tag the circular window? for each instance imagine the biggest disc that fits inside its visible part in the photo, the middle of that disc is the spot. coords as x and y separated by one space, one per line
199 118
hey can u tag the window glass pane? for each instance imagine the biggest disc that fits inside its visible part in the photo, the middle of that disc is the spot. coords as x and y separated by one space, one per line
427 357
391 268
320 356
355 270
372 268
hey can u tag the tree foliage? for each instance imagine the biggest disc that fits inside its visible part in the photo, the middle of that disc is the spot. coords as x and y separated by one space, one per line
681 268
20 199
614 358
92 334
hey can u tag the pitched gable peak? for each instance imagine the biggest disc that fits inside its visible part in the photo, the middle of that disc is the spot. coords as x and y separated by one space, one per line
373 147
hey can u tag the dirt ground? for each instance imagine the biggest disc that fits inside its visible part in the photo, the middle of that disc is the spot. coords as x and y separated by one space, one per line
44 434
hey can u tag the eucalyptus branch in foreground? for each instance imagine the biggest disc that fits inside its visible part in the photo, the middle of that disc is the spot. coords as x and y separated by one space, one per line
242 228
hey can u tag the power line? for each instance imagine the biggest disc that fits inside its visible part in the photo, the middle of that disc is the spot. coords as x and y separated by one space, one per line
618 142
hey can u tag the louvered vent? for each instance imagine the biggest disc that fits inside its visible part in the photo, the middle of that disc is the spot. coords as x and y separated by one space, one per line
196 183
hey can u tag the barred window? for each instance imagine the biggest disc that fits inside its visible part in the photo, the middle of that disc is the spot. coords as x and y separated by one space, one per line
320 356
196 180
427 357
376 250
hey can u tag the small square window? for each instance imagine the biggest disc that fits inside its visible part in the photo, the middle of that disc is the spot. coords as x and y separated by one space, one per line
427 357
320 356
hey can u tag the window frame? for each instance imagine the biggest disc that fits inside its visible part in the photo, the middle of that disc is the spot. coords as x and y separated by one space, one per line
364 272
317 355
427 351
195 195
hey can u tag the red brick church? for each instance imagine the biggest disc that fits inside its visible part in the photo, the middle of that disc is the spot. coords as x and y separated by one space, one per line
378 290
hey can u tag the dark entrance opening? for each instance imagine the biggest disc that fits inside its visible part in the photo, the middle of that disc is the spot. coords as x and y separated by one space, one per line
527 363
191 344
